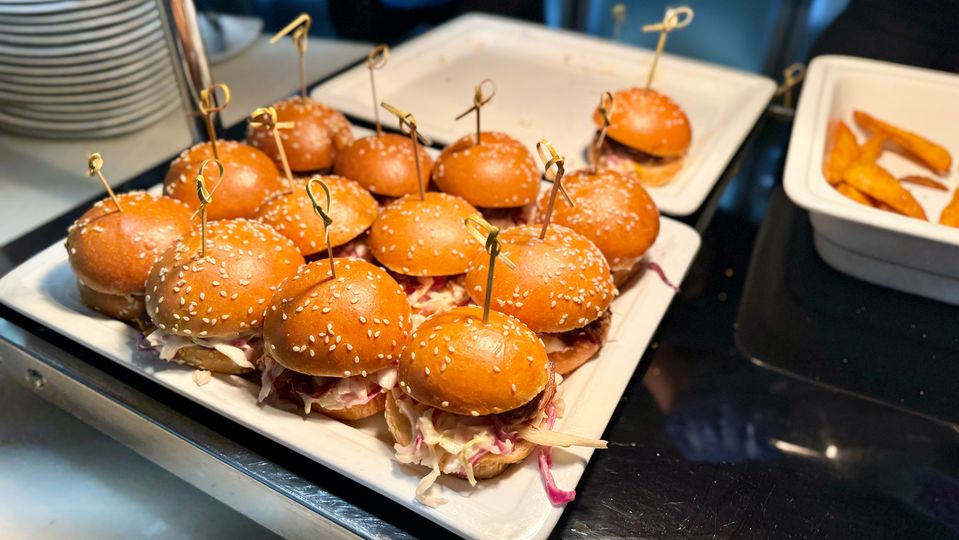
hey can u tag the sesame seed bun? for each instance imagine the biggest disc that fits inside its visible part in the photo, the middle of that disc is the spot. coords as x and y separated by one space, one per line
498 173
319 133
487 466
111 252
560 283
227 292
613 211
457 363
249 177
352 208
128 308
648 121
424 238
355 323
384 164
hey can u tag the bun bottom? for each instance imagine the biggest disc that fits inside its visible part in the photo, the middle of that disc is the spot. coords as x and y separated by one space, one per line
488 466
649 170
569 359
208 359
622 276
129 308
357 412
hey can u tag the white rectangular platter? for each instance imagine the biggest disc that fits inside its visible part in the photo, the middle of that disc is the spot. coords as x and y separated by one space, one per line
921 257
512 506
548 84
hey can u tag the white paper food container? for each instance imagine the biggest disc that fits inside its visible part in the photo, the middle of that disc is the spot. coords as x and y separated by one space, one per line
879 247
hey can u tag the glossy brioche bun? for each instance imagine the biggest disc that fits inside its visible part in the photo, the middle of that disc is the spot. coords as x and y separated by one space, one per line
319 133
350 325
424 238
111 252
249 177
128 308
560 283
488 466
498 173
352 208
208 359
612 210
384 164
227 292
649 122
457 363
356 412
570 358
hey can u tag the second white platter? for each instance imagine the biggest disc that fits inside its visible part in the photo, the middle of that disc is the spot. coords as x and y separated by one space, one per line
548 84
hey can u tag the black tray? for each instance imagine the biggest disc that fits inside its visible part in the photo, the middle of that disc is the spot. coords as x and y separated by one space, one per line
801 317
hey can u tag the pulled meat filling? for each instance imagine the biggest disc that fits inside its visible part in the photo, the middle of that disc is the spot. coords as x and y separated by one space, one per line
428 295
330 393
593 333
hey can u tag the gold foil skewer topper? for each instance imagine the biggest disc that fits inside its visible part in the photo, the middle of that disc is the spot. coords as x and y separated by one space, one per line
94 164
674 19
377 58
480 99
408 121
266 117
205 198
324 215
491 242
300 28
555 176
619 15
605 112
208 105
792 76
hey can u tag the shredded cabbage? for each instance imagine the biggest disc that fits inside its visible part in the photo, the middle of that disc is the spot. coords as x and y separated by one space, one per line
429 295
354 249
241 350
330 393
462 439
465 439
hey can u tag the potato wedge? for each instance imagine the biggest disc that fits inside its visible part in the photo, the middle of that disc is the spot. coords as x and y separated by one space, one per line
872 148
882 186
950 214
853 193
929 153
842 150
924 181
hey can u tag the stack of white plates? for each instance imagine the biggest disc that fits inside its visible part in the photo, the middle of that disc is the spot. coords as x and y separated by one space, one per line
83 68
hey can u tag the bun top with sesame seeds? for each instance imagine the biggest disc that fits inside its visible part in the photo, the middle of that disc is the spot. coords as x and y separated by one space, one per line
497 173
318 134
352 208
457 363
649 122
384 164
249 177
353 324
560 283
424 238
111 252
228 291
613 211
